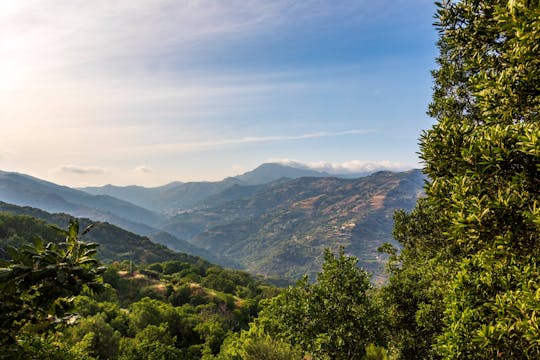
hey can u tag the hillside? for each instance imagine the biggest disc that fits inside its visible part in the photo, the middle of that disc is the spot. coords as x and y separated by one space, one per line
283 228
183 305
26 190
23 224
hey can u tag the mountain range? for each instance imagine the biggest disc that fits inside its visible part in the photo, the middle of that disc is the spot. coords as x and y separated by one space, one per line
284 226
181 196
273 220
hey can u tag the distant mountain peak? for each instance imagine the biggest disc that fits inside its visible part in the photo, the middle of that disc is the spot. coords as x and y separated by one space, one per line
269 172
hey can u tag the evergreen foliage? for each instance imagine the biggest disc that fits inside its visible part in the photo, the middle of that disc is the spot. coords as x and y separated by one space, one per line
174 309
466 283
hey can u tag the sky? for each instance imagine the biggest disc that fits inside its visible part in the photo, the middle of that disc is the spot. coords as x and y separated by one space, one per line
149 92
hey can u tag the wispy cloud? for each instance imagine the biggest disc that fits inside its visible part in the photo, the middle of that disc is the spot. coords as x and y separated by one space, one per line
81 170
128 34
347 167
217 143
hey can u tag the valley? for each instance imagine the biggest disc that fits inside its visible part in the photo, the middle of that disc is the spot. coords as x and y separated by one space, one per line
273 221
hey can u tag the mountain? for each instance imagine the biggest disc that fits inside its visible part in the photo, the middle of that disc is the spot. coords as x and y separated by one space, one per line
20 225
165 199
117 242
182 196
282 228
26 190
269 172
147 197
275 228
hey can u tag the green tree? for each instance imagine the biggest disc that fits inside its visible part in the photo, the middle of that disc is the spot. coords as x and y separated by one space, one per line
258 347
475 274
38 284
94 336
333 318
413 296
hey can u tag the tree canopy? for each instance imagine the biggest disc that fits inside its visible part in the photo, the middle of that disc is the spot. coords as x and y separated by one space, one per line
471 247
333 318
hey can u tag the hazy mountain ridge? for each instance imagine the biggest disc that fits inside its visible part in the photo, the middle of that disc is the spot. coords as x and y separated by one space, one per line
167 198
26 190
106 234
182 196
116 244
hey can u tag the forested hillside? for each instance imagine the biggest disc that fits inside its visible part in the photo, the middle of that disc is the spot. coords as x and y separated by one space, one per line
119 244
285 228
276 228
181 308
115 244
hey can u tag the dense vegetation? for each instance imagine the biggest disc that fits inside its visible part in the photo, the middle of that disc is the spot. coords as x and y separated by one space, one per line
464 285
58 303
114 240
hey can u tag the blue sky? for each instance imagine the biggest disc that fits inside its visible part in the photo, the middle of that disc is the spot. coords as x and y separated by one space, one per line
147 92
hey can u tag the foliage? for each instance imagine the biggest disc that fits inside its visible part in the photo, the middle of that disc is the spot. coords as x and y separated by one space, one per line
258 347
164 310
491 309
38 284
180 319
333 318
481 214
413 295
95 337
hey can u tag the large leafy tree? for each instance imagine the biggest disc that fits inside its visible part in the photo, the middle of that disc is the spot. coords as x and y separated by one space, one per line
477 271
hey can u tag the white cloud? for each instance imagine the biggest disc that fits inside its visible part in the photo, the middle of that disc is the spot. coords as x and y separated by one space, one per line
81 170
143 169
347 167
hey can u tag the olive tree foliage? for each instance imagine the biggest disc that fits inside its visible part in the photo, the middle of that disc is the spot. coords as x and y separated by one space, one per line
38 284
334 318
477 273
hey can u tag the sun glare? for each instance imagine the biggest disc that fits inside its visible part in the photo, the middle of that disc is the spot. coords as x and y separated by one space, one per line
10 68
